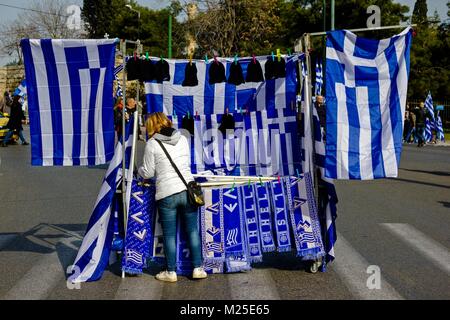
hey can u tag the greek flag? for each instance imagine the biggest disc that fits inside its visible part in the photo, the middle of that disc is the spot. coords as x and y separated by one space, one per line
172 98
119 91
429 123
366 90
70 85
319 78
93 255
429 106
21 90
439 128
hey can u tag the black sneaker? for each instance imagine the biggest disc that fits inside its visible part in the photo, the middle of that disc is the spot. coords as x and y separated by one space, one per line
4 145
25 143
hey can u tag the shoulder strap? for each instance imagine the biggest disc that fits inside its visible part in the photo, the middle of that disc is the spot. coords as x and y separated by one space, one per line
172 163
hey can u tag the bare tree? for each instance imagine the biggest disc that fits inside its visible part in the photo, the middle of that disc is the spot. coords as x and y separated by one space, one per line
42 19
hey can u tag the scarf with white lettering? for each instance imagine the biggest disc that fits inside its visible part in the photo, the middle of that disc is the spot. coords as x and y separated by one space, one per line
139 232
235 249
304 217
251 222
280 215
212 231
264 216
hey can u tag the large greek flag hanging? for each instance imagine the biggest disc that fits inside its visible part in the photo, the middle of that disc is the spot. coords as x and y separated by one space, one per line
70 85
171 97
366 86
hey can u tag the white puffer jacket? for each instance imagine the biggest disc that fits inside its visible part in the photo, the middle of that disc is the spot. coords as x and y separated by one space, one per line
156 164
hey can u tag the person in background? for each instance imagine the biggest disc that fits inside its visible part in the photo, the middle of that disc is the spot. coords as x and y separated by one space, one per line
421 115
171 193
406 125
322 112
15 122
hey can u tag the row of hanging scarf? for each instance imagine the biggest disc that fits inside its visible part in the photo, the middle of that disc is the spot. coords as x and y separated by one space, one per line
237 225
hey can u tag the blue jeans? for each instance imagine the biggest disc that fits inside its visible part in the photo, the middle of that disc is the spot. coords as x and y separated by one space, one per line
168 208
10 134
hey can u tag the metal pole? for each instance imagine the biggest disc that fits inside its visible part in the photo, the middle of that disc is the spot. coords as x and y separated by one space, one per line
170 37
124 95
332 14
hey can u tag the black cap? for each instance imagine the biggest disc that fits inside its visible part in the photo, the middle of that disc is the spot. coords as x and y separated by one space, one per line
216 72
162 71
187 123
134 69
227 123
236 76
270 69
190 75
280 68
148 71
254 72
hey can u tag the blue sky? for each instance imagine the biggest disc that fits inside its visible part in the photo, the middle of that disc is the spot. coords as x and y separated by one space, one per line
8 14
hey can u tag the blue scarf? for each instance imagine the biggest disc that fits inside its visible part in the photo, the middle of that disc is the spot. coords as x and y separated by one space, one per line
265 220
251 222
280 215
139 231
235 249
212 231
304 218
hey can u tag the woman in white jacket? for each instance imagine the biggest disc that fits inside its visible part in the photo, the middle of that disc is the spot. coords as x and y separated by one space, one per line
171 194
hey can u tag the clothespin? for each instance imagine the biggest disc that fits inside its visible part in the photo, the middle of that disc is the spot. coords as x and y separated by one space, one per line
248 186
246 111
279 180
273 56
215 59
196 114
254 58
174 116
298 173
146 55
188 114
240 110
236 59
226 110
234 185
190 59
289 51
206 58
279 55
135 56
161 58
260 181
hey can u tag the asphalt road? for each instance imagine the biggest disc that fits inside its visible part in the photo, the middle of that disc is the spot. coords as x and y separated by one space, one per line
397 226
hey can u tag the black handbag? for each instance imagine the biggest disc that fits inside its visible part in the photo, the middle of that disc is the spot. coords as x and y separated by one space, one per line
194 191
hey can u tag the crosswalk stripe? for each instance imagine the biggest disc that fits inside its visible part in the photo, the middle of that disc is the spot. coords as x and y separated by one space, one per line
431 249
256 284
144 287
352 268
38 282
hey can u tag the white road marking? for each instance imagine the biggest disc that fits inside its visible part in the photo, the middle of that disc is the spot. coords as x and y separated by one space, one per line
431 249
256 284
352 268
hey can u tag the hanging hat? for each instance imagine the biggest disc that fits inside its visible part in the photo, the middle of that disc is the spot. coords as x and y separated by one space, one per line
236 76
187 123
190 75
134 68
216 72
227 123
162 71
254 72
270 69
280 68
148 71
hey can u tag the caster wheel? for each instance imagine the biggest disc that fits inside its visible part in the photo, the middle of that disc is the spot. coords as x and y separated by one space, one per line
314 267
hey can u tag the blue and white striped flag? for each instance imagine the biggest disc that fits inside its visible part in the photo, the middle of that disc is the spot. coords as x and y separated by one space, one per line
172 98
119 92
430 108
429 123
429 127
93 255
70 85
319 78
366 90
21 90
439 128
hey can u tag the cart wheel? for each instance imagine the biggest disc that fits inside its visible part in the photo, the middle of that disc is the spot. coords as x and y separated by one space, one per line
314 267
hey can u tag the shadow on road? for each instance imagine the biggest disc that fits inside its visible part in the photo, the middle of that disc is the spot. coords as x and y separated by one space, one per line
421 182
437 173
445 203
